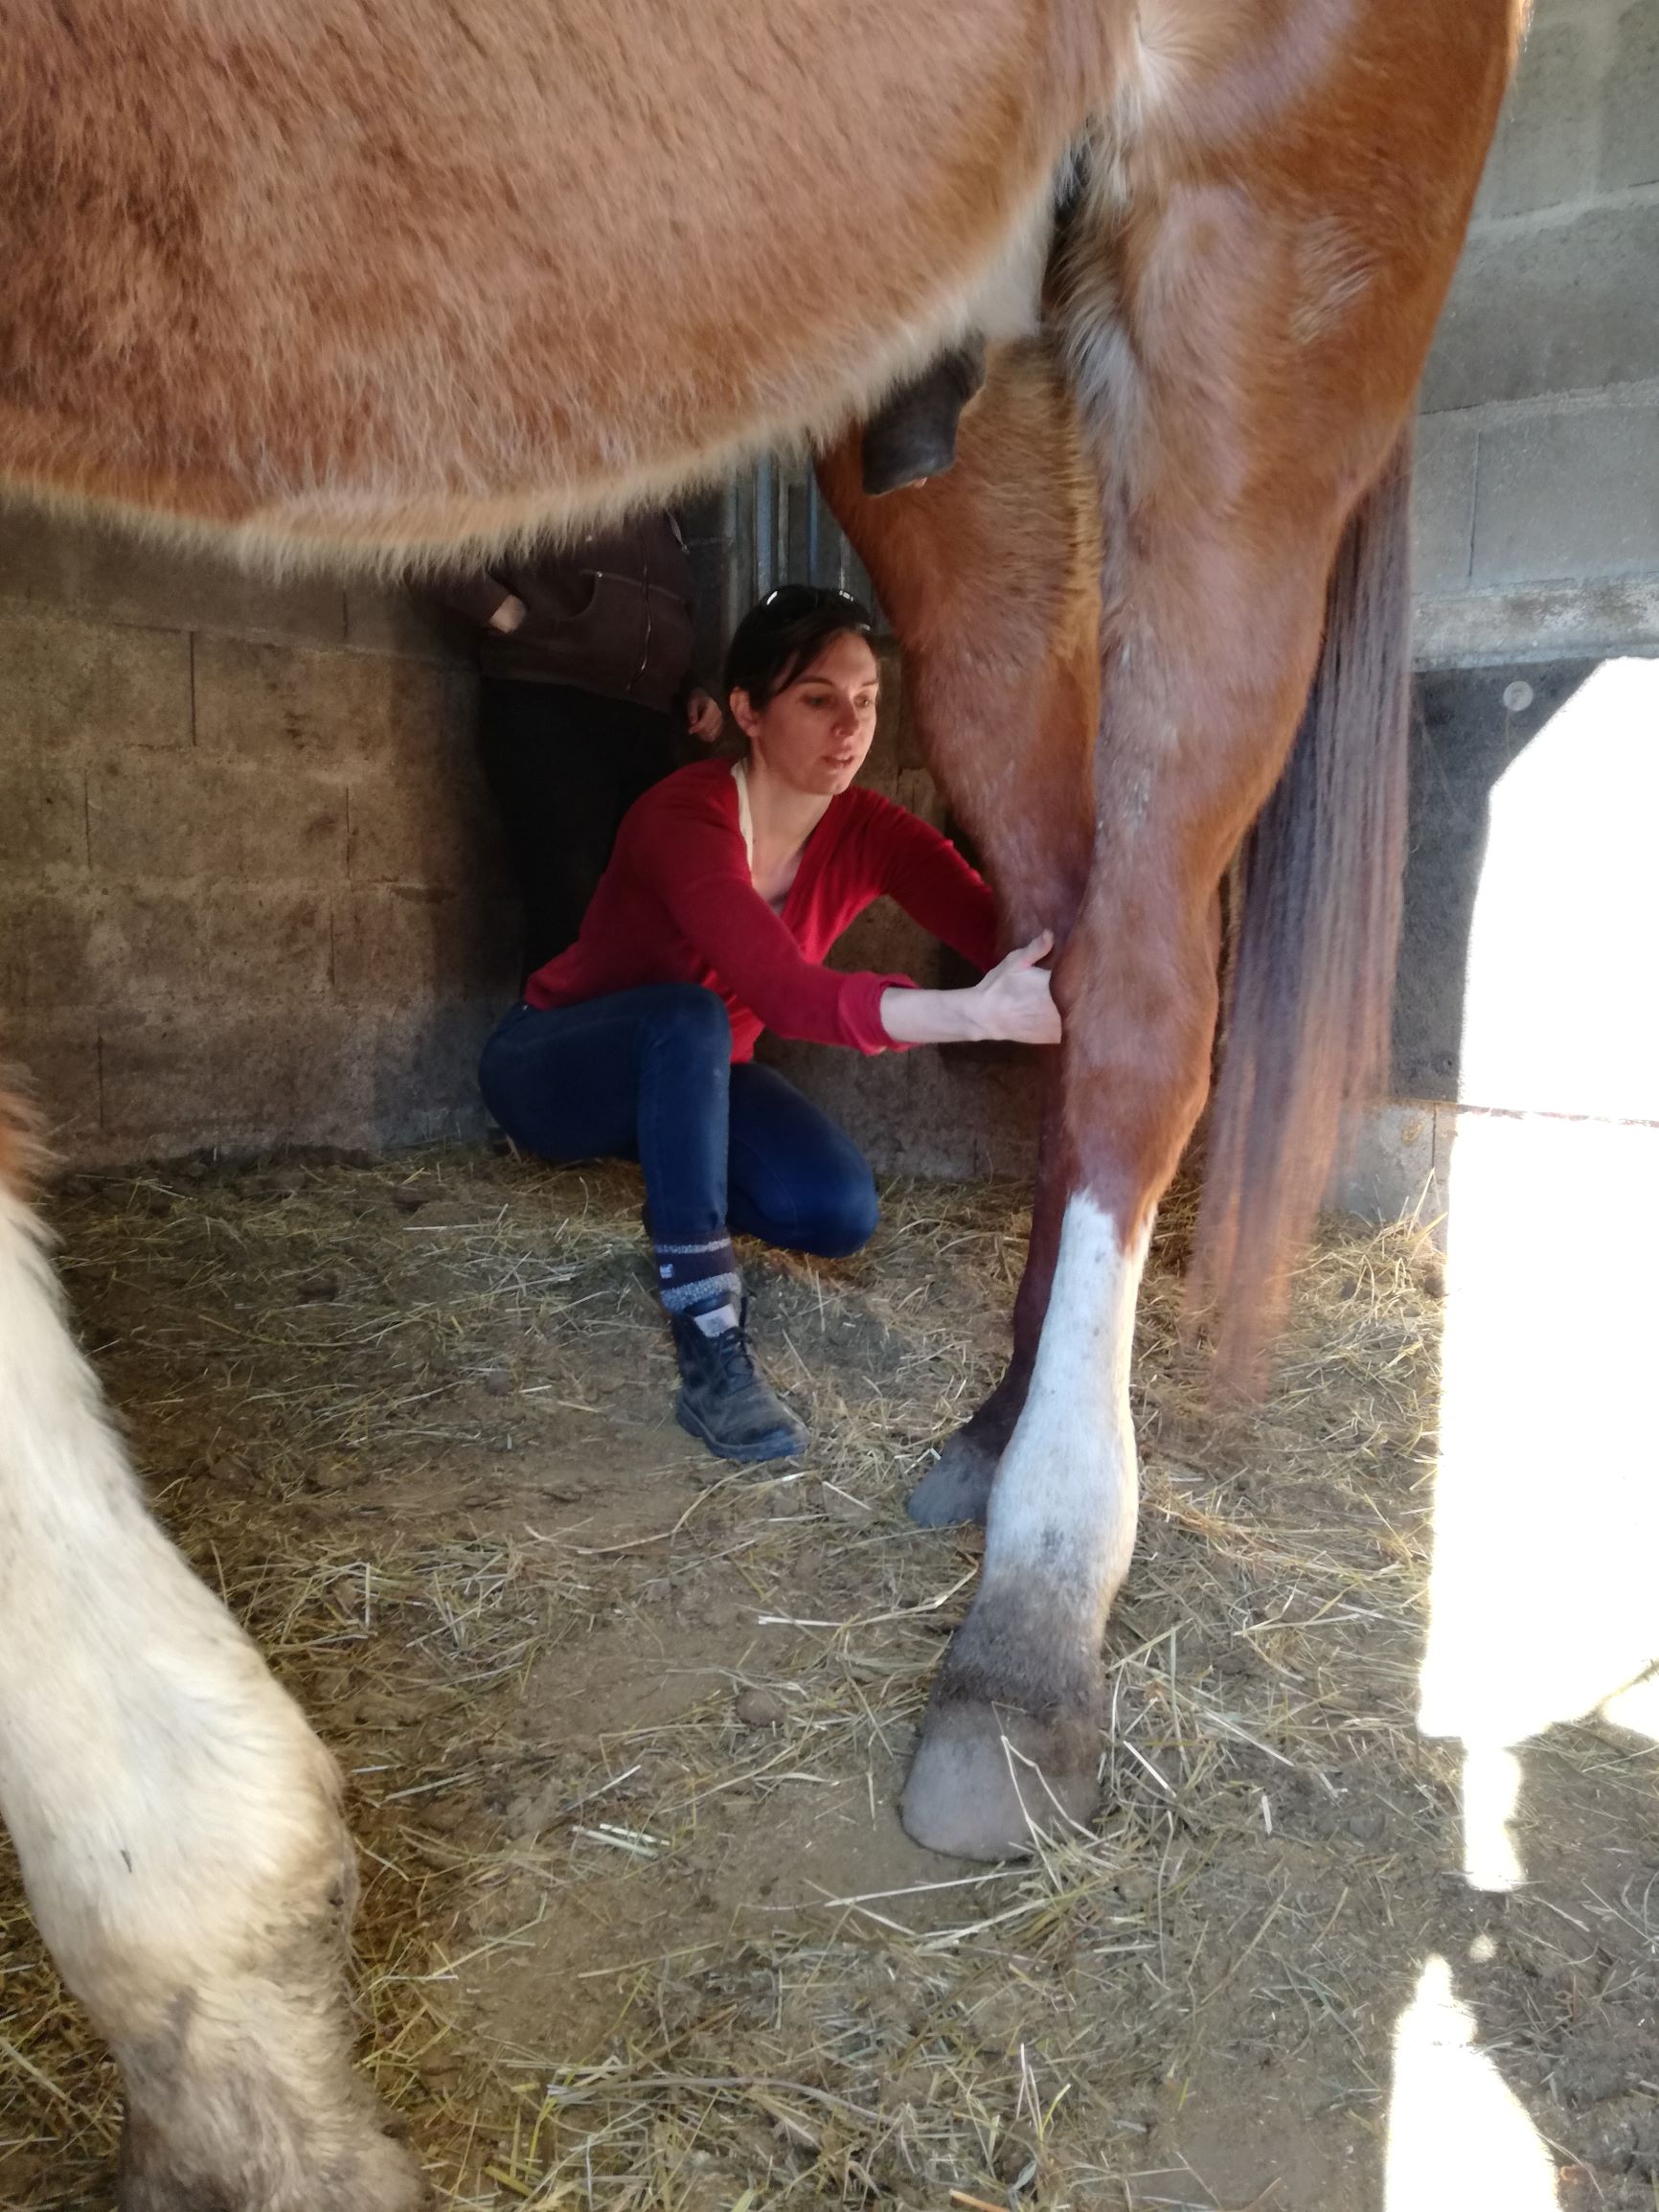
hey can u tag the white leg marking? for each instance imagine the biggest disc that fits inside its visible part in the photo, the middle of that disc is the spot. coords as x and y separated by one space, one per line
1066 1494
171 1807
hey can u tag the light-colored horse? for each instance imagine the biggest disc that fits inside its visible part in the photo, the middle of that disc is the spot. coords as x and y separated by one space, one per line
390 278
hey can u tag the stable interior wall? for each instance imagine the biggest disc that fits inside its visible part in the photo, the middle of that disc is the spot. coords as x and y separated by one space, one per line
250 890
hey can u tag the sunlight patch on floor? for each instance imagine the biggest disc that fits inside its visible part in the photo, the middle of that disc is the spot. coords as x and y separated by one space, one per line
1458 2136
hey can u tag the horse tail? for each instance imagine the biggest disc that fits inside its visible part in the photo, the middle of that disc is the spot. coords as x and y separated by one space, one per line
1307 1000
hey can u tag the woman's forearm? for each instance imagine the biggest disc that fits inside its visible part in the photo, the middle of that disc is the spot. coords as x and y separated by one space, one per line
931 1017
1015 1001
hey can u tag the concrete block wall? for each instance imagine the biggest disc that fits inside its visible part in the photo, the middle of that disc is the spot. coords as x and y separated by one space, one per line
250 885
1537 511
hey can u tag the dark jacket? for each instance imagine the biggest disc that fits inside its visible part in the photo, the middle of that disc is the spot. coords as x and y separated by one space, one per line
611 612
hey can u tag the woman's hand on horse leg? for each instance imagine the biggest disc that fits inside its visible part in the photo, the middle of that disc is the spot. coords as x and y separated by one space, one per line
1016 997
1014 1002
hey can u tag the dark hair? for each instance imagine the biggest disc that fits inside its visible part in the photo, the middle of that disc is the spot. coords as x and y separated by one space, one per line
784 634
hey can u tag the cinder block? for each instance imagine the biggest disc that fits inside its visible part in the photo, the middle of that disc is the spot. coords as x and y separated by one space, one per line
42 816
406 945
280 702
428 824
420 1067
227 1074
46 934
1442 501
1445 1130
122 577
171 816
1569 305
75 685
14 918
57 1051
924 1114
408 622
120 944
1389 1171
1541 622
1631 101
1571 495
1545 146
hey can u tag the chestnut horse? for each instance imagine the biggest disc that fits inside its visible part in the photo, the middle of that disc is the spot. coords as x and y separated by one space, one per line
393 279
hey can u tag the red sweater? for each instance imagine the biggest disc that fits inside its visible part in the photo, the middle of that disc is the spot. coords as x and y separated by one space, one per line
677 906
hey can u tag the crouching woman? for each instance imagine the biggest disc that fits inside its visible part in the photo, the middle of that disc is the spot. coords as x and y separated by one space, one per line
729 884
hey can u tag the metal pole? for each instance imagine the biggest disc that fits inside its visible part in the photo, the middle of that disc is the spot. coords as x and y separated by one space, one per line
814 525
765 530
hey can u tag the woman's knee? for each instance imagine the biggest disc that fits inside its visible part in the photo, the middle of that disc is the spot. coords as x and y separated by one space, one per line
843 1220
692 1019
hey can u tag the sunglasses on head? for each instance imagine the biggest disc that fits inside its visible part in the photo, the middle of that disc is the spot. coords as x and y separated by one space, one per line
789 602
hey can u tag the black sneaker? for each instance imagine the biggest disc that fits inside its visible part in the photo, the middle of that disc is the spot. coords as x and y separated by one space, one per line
724 1401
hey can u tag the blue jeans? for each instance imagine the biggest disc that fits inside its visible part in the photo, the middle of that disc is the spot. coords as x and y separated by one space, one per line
646 1074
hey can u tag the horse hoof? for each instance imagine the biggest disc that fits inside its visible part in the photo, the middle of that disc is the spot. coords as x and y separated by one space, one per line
381 2175
236 2136
957 1486
987 1781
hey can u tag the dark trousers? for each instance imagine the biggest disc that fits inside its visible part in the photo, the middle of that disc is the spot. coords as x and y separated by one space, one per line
564 767
646 1074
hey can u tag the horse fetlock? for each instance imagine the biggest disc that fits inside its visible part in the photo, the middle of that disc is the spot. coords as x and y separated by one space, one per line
1011 1747
240 2104
241 2095
957 1487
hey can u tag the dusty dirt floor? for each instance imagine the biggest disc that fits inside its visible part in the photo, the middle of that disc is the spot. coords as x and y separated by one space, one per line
624 1733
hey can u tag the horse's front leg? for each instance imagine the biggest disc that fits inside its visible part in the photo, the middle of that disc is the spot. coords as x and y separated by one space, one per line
1242 390
991 576
1196 718
1012 1738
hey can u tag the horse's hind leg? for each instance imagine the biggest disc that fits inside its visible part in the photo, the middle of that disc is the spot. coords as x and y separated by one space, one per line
176 1820
991 576
1246 353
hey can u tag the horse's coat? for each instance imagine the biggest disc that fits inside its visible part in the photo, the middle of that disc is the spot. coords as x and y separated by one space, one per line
388 279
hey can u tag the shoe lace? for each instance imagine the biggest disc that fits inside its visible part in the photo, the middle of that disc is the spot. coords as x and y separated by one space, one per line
732 1355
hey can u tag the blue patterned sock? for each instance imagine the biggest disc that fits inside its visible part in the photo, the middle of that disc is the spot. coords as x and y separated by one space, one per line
691 1276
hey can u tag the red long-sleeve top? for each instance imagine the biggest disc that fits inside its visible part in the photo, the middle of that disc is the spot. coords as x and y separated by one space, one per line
678 905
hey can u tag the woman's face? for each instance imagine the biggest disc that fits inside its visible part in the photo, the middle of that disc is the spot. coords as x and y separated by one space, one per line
814 733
